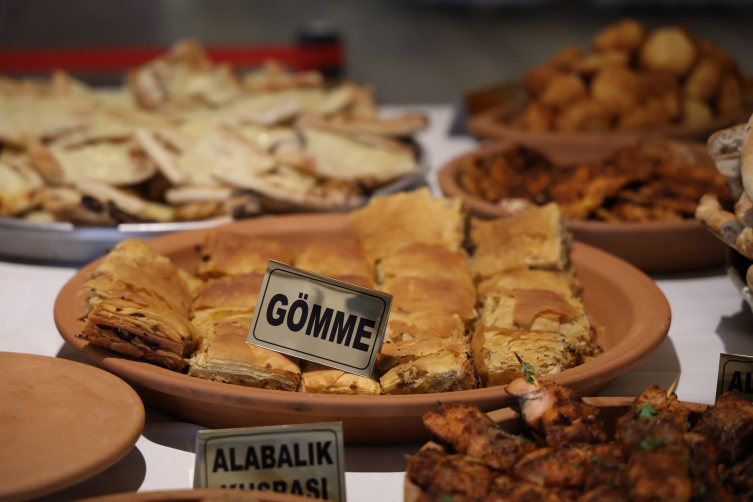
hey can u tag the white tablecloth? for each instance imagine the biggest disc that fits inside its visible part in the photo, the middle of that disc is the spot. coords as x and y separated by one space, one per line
708 317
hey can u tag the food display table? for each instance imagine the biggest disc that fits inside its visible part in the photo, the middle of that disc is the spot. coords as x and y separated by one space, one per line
708 317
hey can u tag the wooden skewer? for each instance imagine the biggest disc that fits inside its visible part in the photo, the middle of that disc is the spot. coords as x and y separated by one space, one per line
535 382
673 386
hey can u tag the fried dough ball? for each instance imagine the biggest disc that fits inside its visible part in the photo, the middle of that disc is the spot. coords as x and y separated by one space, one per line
537 117
537 78
661 88
616 88
584 115
703 81
695 111
625 35
563 90
566 58
730 94
669 49
596 62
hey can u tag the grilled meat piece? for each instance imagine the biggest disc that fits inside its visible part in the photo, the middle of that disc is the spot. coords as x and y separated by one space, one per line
729 423
604 466
449 474
657 476
704 460
471 432
740 476
557 414
507 489
653 401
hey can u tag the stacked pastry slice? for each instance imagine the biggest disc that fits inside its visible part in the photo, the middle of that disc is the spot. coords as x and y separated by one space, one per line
139 305
223 310
346 262
418 240
528 297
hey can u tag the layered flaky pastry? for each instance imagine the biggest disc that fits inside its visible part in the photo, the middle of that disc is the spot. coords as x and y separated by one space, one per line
226 298
541 311
563 283
535 238
336 258
228 253
423 370
319 379
388 224
425 260
494 352
141 326
139 305
226 357
427 324
425 294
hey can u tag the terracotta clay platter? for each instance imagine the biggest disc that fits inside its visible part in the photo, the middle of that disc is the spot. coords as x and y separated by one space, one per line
634 313
213 494
610 408
495 124
62 422
662 246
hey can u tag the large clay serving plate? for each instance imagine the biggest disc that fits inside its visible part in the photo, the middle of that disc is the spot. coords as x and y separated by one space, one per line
208 494
650 246
633 311
61 422
610 408
495 124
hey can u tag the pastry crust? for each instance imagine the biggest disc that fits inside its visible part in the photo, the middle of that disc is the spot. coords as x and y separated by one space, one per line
428 261
427 324
535 238
494 352
388 224
443 371
226 357
229 253
425 294
564 284
338 258
237 294
319 379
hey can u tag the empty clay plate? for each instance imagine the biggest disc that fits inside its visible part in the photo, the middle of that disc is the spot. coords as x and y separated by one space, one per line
62 422
630 307
657 246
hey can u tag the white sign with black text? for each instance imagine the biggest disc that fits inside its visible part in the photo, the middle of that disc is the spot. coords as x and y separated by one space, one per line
320 319
297 459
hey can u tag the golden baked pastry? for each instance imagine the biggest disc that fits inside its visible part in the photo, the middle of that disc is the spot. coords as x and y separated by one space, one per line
538 310
226 357
534 238
494 352
388 224
18 193
335 258
563 283
428 261
424 294
319 379
141 326
224 299
228 253
394 353
446 370
425 324
358 280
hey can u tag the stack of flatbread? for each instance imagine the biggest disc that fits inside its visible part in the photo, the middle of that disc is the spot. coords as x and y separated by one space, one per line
732 151
187 139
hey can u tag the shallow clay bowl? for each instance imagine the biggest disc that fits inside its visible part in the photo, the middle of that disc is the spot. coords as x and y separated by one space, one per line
200 494
576 147
633 311
610 408
662 246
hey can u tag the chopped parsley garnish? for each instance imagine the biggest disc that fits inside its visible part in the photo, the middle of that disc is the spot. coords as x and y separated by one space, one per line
610 482
448 498
598 461
687 424
646 411
526 399
528 373
702 489
548 456
722 478
647 445
524 441
576 465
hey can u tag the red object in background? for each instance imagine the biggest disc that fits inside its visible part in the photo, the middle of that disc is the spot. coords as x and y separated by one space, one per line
117 60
